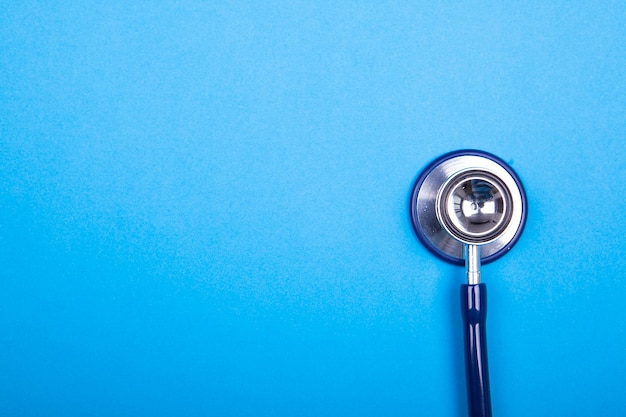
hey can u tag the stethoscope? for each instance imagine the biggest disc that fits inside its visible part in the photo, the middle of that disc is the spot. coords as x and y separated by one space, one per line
469 207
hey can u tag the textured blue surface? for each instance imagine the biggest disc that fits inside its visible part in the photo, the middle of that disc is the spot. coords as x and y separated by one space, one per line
204 206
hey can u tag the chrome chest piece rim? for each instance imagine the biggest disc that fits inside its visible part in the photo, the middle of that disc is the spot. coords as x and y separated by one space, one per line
468 197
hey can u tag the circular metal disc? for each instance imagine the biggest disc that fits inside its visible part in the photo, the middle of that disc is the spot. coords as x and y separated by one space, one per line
465 164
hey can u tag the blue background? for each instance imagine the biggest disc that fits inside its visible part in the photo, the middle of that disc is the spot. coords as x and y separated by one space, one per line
204 206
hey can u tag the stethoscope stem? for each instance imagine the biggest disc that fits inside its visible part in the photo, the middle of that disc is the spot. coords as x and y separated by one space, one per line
474 309
472 263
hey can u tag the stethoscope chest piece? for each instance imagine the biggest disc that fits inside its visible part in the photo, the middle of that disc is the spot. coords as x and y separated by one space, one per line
466 198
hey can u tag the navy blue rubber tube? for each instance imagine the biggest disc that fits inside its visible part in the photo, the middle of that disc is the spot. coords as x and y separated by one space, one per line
474 308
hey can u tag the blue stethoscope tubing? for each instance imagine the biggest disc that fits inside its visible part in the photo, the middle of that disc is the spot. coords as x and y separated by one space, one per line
474 310
473 296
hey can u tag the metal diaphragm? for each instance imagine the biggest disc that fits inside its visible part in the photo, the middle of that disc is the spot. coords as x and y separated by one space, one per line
468 197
